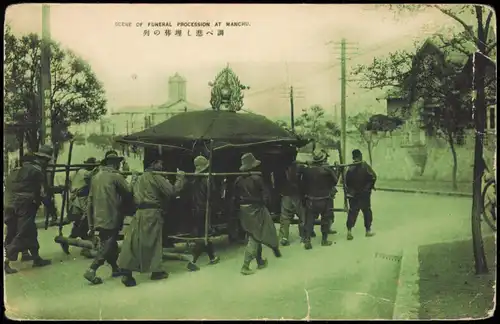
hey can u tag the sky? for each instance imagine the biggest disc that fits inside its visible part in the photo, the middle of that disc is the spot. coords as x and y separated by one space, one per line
283 45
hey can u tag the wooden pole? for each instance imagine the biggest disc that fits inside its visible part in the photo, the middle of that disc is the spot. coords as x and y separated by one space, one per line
66 186
292 109
45 93
343 95
209 182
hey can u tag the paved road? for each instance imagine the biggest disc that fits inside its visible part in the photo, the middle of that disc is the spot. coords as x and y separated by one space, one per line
344 281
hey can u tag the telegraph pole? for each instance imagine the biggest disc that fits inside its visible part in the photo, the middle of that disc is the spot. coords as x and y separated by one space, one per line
342 95
45 93
343 82
292 121
292 95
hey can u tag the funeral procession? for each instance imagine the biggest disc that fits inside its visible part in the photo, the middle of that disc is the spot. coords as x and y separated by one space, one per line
230 209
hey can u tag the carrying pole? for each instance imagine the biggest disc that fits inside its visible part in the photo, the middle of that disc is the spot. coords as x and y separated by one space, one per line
209 186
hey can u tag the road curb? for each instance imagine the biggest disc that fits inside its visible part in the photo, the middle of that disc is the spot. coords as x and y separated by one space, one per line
427 192
407 303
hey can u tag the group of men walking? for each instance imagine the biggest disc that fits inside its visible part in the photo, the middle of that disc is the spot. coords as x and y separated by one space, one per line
101 197
310 191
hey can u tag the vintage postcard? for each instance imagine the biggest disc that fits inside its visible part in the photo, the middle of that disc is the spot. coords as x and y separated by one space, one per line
250 161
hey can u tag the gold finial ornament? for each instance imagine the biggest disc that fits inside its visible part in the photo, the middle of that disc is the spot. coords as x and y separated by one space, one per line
227 91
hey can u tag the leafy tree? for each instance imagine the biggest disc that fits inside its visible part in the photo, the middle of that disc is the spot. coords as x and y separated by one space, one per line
429 74
485 53
76 97
283 124
371 128
312 124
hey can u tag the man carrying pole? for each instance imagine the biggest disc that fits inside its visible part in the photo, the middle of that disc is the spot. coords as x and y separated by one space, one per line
360 181
319 182
251 197
142 248
291 203
77 211
109 191
23 195
199 187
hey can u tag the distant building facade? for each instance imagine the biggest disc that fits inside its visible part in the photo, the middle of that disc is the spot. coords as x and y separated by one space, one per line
127 120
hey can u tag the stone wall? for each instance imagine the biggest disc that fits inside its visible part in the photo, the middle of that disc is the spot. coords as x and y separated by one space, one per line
391 161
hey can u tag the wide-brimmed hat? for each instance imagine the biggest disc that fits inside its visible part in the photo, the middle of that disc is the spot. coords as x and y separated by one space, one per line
90 160
319 157
112 155
45 152
200 164
248 162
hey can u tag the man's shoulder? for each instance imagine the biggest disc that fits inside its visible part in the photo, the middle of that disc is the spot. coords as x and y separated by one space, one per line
32 167
366 165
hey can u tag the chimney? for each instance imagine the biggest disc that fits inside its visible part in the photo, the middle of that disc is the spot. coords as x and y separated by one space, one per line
176 88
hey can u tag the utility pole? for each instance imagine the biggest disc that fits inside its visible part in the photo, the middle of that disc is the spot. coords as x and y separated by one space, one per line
343 82
292 121
291 95
45 93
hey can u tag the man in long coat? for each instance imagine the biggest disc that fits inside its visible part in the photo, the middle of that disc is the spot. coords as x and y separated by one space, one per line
78 201
22 197
319 185
109 191
251 197
360 180
142 248
291 203
198 188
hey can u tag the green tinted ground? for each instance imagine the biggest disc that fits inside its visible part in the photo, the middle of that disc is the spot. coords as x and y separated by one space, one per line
344 281
449 288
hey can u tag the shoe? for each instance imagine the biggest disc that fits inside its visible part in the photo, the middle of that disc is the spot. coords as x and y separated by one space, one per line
8 269
313 234
308 245
37 263
117 273
277 252
215 260
262 264
246 271
284 242
369 234
350 237
26 257
332 232
192 266
159 275
91 276
326 243
128 281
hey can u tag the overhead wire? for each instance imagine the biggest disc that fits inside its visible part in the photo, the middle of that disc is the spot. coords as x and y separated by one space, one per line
315 73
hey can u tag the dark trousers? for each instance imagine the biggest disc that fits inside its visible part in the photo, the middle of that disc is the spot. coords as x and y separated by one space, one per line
360 201
108 248
22 234
198 223
291 206
200 248
253 250
80 229
314 208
